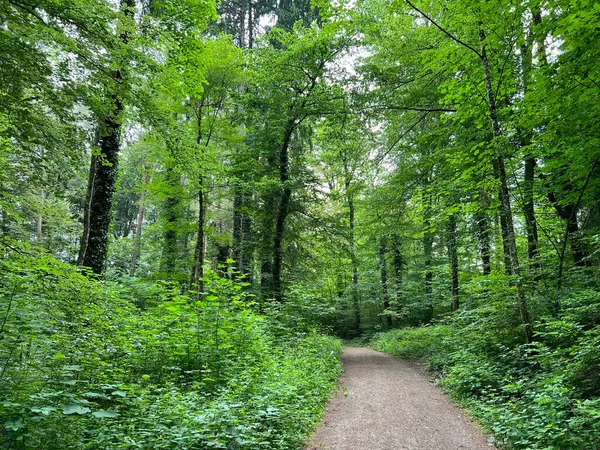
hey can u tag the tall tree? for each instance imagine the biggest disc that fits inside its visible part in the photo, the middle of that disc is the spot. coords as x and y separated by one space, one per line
103 168
398 263
385 293
452 245
498 145
292 89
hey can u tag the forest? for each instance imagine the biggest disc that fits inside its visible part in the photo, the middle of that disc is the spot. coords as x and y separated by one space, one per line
201 202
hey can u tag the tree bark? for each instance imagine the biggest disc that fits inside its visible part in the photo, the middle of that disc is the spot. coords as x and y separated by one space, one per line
530 163
88 198
238 200
103 173
171 217
250 25
568 213
242 25
355 297
506 250
138 226
266 262
536 16
428 251
352 239
40 218
384 282
94 248
198 269
452 244
482 225
508 231
242 234
398 263
247 245
282 211
529 210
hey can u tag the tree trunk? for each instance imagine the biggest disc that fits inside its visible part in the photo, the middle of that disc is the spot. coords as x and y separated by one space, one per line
138 226
569 214
482 225
266 261
355 298
536 16
282 212
529 210
129 219
242 231
530 164
580 253
352 238
508 232
198 269
88 198
171 220
398 263
384 283
103 174
428 251
250 25
247 245
508 265
94 245
40 218
242 25
238 200
221 266
452 244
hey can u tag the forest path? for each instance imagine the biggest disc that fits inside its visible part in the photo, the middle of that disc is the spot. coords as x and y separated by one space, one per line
386 403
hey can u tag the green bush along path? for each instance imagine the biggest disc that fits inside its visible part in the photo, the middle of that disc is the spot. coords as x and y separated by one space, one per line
201 199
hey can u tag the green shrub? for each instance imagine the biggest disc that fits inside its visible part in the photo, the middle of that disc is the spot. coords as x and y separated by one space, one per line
83 368
413 343
544 395
273 406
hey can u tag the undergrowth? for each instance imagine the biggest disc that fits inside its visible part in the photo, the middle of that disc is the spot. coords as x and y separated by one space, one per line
544 395
82 367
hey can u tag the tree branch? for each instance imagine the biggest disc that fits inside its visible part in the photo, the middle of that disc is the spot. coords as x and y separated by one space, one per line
415 108
447 33
573 217
28 10
412 127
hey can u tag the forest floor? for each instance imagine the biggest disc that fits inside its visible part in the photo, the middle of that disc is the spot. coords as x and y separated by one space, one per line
385 403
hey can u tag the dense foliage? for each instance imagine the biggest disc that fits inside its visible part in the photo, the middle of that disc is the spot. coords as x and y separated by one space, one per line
191 191
83 368
541 396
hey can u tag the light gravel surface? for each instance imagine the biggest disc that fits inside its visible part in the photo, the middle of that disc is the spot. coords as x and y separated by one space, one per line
385 403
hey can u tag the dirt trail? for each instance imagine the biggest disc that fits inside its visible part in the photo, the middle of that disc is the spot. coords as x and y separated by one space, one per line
388 404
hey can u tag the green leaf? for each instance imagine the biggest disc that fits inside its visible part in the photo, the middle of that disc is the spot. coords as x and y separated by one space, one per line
14 425
101 414
94 395
76 409
46 410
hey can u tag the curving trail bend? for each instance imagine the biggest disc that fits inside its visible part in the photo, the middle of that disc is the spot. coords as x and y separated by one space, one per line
385 403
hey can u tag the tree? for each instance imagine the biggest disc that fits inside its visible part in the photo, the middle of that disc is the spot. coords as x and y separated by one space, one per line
103 168
52 52
289 88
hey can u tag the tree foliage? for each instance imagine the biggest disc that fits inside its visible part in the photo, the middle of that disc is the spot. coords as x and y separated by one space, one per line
230 178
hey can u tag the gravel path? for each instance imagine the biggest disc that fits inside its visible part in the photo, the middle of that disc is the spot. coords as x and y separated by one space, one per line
386 403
